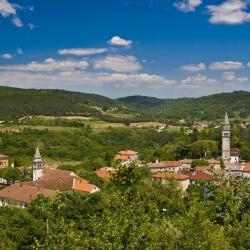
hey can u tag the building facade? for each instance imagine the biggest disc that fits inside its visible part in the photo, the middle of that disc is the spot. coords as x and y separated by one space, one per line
4 161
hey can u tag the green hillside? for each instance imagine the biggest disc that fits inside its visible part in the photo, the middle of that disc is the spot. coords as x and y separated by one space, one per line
21 102
208 107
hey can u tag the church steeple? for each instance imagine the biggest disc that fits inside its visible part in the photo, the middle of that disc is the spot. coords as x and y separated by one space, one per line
226 155
37 165
226 120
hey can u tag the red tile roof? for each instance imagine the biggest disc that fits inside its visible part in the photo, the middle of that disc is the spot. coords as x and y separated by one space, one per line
170 163
121 157
3 157
106 172
200 176
49 172
24 193
201 168
246 168
128 152
65 183
186 161
176 176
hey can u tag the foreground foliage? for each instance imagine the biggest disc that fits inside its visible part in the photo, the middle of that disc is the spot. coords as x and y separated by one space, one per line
132 212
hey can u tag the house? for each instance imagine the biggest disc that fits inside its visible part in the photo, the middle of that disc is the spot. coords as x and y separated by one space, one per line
4 161
200 126
202 168
197 176
234 155
125 157
186 163
170 166
238 170
183 180
22 195
106 172
46 181
215 164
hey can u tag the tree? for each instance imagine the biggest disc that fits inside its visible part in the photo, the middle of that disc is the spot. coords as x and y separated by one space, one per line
11 175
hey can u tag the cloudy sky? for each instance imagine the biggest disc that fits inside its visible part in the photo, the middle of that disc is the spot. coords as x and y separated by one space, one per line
162 48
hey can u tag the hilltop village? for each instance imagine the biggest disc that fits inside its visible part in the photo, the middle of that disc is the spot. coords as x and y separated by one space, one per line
49 180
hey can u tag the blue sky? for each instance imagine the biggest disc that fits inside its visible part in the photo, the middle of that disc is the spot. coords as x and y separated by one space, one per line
163 48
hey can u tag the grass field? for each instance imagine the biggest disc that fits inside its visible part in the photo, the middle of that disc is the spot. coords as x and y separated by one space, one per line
95 124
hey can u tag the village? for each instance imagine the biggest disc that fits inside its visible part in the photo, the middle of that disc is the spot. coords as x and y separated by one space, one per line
48 180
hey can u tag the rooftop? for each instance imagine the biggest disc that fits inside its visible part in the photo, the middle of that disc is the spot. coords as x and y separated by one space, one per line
128 152
176 176
25 193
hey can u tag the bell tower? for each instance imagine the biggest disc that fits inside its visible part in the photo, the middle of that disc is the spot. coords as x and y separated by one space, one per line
37 165
226 140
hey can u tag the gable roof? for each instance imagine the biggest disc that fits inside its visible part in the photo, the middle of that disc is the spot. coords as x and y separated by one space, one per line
164 164
128 152
121 157
200 176
3 157
176 176
25 193
49 172
105 172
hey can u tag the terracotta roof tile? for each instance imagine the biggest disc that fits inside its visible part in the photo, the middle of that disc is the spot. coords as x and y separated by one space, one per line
121 157
170 163
128 152
24 193
3 157
176 176
200 176
106 172
246 168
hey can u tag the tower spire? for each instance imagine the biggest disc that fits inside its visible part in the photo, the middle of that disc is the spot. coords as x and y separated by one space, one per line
226 120
37 154
37 165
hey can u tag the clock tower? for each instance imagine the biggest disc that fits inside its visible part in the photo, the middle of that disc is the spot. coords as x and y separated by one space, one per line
226 140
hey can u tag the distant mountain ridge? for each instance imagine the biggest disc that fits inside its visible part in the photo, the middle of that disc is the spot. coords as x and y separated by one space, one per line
21 102
237 104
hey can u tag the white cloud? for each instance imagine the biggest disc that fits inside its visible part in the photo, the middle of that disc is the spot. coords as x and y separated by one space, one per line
226 65
31 26
188 5
6 56
118 63
197 81
82 52
48 65
230 76
194 67
118 41
60 74
242 79
6 9
229 12
9 10
17 21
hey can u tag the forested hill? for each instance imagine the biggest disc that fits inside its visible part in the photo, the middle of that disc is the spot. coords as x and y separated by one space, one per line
14 101
20 102
237 104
